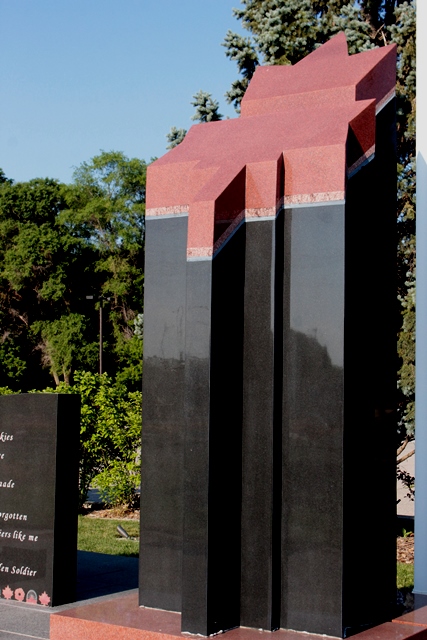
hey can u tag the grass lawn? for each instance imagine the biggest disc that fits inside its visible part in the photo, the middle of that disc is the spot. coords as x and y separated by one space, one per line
101 535
405 576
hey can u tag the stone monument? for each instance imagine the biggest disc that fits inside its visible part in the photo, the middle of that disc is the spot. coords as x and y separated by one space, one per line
269 356
39 455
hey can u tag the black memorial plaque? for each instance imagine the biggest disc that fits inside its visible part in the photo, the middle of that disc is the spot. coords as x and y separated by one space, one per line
39 441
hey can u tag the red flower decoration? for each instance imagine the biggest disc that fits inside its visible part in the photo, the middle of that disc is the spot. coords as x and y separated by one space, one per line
44 598
7 592
19 594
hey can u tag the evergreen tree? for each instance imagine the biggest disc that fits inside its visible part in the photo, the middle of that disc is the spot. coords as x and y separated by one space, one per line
206 108
402 32
242 51
175 137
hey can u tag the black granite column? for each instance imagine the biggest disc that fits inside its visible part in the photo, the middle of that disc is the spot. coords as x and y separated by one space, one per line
339 407
261 445
313 420
163 413
212 486
371 325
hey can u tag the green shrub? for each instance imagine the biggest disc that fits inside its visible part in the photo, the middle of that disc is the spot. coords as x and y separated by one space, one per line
117 483
110 436
5 391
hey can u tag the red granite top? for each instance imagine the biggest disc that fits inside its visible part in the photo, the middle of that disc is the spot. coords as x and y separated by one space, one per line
328 76
294 122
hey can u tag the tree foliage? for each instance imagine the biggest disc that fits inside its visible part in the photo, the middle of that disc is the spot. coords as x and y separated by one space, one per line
106 213
40 265
63 344
402 33
242 51
175 137
206 108
3 177
110 436
206 111
58 244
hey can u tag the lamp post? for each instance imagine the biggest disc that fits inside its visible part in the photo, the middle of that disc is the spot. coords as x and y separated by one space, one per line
101 299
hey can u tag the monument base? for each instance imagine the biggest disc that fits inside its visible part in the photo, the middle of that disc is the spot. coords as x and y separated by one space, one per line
120 618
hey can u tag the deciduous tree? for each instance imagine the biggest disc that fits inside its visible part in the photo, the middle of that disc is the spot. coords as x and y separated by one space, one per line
59 244
106 207
41 267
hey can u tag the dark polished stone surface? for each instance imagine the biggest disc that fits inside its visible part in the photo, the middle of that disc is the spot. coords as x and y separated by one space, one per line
339 403
196 480
163 414
313 420
371 324
39 448
214 345
260 569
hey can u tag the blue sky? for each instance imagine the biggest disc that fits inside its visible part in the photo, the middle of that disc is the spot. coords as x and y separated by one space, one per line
77 76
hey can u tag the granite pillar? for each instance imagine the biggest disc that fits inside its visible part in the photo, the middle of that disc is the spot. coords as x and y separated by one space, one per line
212 486
370 404
313 421
339 409
261 472
162 455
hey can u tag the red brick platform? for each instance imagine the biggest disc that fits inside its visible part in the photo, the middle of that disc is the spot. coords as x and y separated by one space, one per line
120 618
